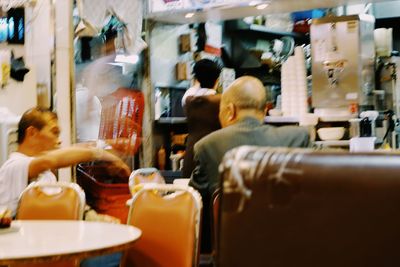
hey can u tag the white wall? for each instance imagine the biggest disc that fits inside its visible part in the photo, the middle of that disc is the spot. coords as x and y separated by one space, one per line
355 9
165 52
19 96
40 33
39 42
387 9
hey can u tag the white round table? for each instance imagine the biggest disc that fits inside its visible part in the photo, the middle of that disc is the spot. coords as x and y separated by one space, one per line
42 240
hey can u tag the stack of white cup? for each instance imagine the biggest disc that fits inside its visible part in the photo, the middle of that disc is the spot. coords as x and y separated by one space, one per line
294 85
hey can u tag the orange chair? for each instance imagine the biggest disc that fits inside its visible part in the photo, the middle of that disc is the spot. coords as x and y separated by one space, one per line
169 217
142 176
51 201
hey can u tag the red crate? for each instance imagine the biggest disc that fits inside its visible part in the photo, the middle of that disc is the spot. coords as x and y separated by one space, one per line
104 193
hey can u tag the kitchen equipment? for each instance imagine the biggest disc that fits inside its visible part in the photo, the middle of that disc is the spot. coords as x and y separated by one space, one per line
343 56
387 89
331 133
354 129
362 144
383 42
368 123
288 47
277 46
365 127
387 97
294 85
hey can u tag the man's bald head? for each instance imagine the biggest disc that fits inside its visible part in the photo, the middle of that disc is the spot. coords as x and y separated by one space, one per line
246 96
246 92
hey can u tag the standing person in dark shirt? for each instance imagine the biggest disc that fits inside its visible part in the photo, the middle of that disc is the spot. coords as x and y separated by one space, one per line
201 105
206 74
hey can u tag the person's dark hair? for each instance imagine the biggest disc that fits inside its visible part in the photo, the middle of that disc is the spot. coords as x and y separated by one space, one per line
33 117
206 72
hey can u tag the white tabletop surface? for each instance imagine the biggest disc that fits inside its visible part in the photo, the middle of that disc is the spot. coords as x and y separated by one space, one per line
36 239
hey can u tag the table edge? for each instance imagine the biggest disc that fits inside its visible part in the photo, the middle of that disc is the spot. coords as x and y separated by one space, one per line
70 256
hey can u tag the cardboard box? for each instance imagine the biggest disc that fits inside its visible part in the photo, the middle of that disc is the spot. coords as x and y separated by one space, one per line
182 71
184 43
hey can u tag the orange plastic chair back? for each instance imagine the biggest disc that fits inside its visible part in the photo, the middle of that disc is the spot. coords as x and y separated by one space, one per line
170 229
142 176
66 204
36 204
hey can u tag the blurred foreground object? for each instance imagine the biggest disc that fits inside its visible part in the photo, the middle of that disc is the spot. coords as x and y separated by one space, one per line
5 217
121 120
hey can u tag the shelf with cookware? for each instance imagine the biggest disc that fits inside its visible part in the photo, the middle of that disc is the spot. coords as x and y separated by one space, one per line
258 50
170 126
261 31
338 131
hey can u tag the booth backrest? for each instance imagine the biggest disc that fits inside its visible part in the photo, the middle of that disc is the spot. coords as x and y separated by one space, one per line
297 207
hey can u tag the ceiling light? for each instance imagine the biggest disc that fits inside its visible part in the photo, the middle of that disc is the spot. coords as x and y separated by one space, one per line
189 15
262 6
254 3
119 64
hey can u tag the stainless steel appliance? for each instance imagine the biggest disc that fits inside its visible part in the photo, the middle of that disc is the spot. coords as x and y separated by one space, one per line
387 91
343 58
387 97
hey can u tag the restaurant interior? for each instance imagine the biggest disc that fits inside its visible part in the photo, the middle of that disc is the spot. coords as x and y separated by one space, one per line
115 73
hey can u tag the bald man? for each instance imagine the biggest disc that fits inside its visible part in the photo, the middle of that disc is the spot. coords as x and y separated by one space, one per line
241 114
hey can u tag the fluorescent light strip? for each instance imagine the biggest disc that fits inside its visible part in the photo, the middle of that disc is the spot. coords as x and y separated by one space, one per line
262 6
132 59
254 3
189 15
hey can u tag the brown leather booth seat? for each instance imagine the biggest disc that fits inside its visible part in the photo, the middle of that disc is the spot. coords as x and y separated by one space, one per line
301 208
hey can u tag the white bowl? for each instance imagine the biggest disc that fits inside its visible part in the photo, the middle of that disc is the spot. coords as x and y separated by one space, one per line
331 133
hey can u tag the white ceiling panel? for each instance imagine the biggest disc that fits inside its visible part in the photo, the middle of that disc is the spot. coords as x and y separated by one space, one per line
225 13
